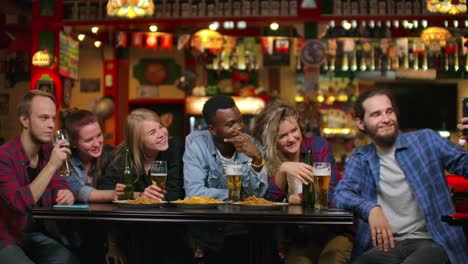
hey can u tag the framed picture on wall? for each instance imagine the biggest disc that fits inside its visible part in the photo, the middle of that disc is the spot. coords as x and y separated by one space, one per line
46 86
92 85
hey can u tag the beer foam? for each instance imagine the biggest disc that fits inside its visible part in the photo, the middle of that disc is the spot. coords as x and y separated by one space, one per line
321 172
159 174
232 169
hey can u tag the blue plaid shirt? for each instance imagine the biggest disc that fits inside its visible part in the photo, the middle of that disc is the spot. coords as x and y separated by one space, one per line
423 156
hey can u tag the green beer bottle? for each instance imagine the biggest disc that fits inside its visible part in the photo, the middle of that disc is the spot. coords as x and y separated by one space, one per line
127 178
308 191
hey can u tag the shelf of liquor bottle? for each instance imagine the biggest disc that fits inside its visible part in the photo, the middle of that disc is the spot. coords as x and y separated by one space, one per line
96 10
436 19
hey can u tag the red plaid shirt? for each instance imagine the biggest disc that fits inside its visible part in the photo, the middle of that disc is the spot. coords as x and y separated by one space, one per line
16 199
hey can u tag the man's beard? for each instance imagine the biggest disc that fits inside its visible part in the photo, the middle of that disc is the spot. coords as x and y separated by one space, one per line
386 141
38 140
383 141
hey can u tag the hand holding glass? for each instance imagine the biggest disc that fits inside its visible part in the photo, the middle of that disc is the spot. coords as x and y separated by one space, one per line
322 175
159 174
234 181
66 166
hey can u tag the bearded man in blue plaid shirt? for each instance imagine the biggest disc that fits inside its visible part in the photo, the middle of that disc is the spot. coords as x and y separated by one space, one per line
396 187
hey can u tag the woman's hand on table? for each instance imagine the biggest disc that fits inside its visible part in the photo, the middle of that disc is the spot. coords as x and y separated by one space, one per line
294 199
153 192
299 170
118 191
65 196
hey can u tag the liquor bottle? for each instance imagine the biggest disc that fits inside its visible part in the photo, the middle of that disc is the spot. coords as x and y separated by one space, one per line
127 178
308 191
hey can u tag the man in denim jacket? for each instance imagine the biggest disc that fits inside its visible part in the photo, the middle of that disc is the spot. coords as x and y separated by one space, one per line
206 153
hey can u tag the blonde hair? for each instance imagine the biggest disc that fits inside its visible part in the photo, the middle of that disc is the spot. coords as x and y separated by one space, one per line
132 140
266 131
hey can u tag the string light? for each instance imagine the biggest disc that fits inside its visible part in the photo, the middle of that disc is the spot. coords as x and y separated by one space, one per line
274 26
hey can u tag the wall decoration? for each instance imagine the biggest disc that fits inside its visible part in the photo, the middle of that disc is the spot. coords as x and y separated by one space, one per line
68 56
277 51
137 39
148 91
122 39
151 41
156 71
42 58
313 52
67 91
90 85
46 86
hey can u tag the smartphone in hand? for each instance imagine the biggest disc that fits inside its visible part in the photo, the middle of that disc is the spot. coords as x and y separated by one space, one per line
465 113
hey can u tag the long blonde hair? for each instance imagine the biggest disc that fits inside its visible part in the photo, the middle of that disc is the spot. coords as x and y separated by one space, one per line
132 140
266 131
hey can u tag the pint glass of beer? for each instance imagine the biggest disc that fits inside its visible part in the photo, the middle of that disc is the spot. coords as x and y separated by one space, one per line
66 166
234 181
159 174
322 175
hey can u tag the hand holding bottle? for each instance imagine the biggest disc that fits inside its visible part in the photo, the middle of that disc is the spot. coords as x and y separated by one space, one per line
119 190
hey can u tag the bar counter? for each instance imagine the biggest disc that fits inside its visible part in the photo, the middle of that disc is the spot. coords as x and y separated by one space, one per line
292 214
259 222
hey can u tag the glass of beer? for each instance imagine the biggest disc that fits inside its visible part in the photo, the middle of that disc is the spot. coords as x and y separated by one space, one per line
66 166
159 174
322 175
234 181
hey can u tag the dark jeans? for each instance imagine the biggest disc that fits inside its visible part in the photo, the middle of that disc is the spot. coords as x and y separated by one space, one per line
407 251
37 248
155 243
234 243
87 240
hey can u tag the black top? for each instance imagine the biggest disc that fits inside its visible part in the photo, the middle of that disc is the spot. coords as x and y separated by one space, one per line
175 178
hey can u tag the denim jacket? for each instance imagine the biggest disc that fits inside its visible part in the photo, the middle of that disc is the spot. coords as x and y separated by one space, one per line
204 173
77 180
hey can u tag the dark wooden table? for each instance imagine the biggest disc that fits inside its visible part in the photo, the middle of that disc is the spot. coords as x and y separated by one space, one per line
292 214
258 221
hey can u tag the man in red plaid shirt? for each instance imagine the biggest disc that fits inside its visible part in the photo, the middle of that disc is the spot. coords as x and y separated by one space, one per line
29 176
